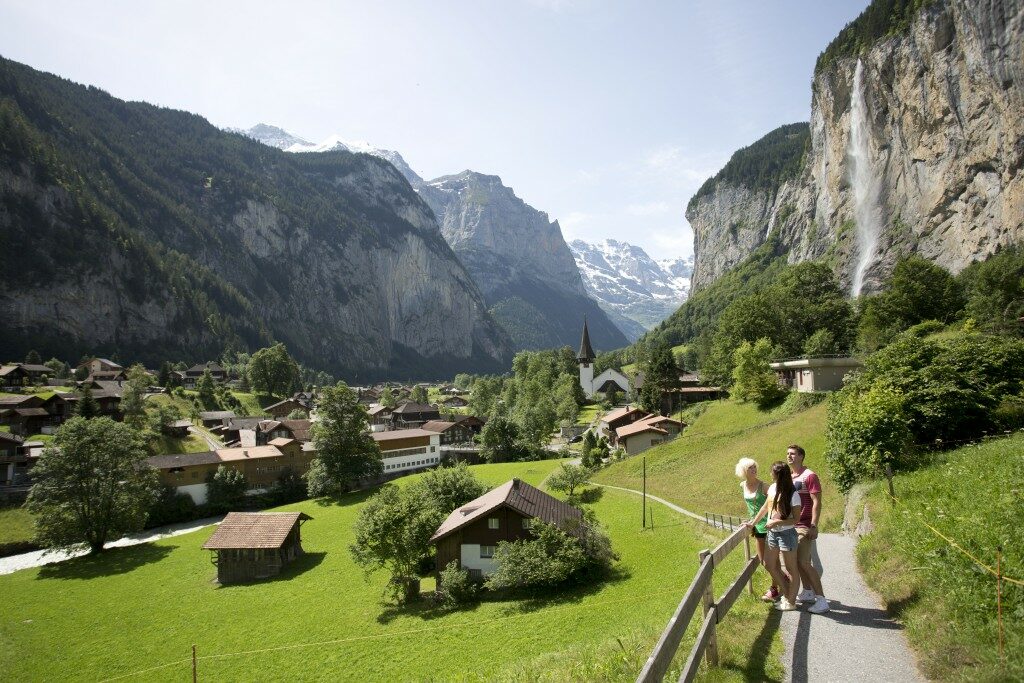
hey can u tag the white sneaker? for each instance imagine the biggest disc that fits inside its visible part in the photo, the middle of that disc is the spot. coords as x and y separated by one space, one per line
820 605
785 605
806 595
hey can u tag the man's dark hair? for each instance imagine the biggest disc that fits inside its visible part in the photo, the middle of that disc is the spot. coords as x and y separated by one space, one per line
798 449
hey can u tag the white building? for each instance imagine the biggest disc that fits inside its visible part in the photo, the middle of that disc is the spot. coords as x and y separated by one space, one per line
815 374
606 380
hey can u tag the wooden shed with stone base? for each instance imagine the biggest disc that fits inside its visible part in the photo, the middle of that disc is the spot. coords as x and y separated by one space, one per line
248 546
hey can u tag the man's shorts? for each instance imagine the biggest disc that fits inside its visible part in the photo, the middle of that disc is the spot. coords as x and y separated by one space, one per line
805 545
783 540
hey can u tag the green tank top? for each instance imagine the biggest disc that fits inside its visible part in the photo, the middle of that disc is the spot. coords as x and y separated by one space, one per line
754 506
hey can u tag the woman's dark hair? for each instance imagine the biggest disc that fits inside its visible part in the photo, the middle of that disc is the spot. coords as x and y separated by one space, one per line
783 489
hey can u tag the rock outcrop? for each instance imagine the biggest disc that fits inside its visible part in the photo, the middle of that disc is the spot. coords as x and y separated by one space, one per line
943 108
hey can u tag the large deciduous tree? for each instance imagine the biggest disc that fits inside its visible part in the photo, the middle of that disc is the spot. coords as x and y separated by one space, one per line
273 371
345 451
660 373
91 485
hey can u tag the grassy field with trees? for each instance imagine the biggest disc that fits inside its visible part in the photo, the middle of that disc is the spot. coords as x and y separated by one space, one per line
144 606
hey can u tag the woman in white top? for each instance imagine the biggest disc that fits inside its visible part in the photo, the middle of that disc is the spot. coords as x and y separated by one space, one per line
782 508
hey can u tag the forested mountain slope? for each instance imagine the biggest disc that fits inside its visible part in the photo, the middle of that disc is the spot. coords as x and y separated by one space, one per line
132 229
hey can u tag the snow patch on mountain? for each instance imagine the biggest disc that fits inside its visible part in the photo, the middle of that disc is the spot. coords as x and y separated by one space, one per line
624 279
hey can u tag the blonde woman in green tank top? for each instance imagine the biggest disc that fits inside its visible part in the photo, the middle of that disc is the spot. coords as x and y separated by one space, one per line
754 495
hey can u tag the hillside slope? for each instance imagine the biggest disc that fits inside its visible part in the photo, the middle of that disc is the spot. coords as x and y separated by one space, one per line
696 469
146 232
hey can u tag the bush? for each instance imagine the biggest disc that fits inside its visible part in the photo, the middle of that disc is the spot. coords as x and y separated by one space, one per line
551 558
172 507
753 378
454 586
225 489
930 392
865 432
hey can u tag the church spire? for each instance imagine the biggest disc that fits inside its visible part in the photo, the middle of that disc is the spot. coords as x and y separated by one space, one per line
586 353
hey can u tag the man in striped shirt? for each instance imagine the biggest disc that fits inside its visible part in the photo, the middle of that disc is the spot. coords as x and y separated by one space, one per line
809 487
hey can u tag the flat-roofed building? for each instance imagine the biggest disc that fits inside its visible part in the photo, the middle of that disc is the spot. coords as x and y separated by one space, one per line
825 373
408 450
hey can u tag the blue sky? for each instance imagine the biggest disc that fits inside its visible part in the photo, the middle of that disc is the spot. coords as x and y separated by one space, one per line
608 116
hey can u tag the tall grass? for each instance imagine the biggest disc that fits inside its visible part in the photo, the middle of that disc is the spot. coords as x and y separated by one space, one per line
975 496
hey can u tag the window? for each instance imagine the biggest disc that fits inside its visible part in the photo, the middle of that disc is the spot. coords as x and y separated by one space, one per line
527 523
492 523
487 551
433 448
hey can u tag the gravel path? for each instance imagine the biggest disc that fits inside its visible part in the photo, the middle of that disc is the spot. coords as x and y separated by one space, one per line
856 640
38 558
664 502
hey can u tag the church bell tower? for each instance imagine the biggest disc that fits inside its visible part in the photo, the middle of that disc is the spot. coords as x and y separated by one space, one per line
585 358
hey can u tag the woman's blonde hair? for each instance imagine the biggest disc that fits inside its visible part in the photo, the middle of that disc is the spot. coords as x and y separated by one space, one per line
743 465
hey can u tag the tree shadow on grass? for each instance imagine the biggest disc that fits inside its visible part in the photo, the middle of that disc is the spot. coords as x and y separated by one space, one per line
591 495
755 669
426 608
300 565
527 602
108 563
345 499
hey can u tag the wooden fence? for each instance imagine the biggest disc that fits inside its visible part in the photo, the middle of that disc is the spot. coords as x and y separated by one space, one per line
701 591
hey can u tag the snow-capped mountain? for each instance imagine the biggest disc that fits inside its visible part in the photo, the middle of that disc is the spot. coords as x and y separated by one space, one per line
628 282
282 139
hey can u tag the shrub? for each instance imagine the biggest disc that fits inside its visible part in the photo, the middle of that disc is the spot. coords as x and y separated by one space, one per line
447 488
455 587
866 431
225 489
171 507
753 378
551 558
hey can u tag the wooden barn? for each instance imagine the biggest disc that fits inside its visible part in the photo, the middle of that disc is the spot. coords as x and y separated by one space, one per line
248 546
472 532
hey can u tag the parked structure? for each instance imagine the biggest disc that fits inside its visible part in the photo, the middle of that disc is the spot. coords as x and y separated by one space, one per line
408 450
824 373
470 533
261 466
248 546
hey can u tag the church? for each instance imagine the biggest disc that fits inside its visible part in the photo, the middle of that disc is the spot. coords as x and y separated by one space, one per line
606 380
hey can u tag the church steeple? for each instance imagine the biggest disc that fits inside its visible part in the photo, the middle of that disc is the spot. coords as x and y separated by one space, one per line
586 353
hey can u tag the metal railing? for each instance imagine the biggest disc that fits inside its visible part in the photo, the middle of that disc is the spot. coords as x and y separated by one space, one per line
701 591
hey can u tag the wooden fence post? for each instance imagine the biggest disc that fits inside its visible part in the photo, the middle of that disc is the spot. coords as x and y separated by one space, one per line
888 476
999 598
746 544
709 602
194 672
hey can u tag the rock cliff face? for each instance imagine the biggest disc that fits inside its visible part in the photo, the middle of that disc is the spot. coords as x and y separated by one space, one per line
130 229
939 115
520 261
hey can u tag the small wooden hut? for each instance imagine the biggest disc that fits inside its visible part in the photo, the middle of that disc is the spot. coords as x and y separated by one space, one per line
248 546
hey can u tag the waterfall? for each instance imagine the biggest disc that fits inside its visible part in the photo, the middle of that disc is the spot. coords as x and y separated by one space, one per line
865 184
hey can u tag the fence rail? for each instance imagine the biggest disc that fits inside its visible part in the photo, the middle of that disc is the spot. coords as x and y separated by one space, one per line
701 590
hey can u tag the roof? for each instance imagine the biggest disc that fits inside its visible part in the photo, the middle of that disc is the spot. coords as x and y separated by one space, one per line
377 409
31 412
216 414
285 402
693 390
619 413
166 462
811 363
401 434
586 352
203 367
301 429
282 441
253 453
659 419
254 530
412 407
236 423
514 494
32 367
181 423
18 400
438 426
637 428
7 436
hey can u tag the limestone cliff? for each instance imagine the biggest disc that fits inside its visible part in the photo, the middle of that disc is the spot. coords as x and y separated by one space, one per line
935 113
520 261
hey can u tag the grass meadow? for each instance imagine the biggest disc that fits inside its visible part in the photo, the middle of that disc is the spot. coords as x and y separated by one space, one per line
132 609
974 496
696 469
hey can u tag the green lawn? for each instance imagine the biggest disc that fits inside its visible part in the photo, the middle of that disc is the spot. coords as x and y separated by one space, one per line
588 413
141 607
15 526
45 438
192 443
253 404
974 496
696 469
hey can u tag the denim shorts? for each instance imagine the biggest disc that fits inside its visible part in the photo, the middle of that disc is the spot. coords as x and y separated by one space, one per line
782 540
